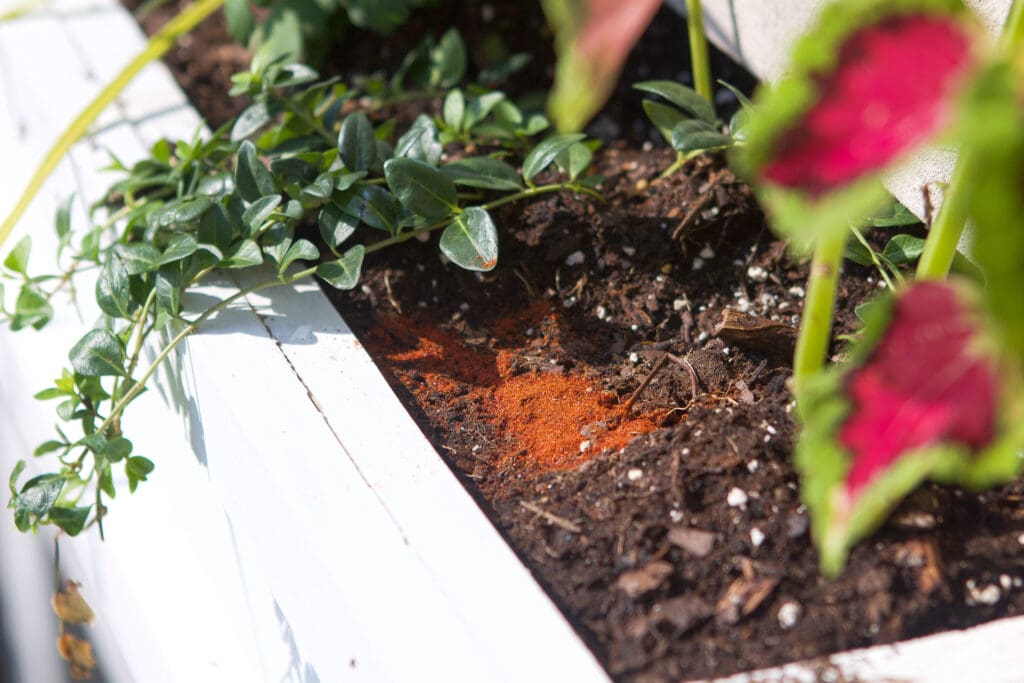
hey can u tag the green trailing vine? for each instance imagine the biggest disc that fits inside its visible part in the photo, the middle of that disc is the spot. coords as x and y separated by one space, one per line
300 156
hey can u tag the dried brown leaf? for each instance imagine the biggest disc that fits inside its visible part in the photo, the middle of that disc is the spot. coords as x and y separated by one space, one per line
79 653
742 597
71 607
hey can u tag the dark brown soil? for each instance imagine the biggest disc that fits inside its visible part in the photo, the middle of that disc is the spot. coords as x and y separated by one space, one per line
669 529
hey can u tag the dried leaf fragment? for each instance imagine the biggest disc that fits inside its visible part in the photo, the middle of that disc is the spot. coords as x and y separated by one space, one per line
71 607
637 582
79 653
742 597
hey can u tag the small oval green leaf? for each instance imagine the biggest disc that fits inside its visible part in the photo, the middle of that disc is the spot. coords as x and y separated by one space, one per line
357 144
684 97
484 173
471 241
99 353
541 156
421 189
252 179
343 273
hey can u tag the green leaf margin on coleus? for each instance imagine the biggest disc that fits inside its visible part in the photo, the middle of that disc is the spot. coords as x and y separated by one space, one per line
838 523
997 195
778 106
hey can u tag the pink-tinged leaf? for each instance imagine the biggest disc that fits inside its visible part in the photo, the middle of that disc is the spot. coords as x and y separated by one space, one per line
893 87
925 383
592 39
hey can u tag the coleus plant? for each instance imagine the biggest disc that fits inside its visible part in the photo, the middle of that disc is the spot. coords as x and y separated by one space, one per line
299 160
933 387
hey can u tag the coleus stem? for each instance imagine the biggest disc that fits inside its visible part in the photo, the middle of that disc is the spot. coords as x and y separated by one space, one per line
944 236
816 324
698 51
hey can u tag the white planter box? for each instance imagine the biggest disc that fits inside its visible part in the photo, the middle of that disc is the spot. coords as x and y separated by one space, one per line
298 526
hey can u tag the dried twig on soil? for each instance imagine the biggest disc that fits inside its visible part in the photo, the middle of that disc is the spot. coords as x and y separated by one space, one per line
552 518
691 215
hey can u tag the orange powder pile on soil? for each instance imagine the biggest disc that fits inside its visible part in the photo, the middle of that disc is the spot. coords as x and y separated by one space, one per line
546 421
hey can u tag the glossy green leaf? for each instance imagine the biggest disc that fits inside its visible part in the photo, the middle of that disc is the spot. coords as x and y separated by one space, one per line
343 273
421 142
39 494
453 109
118 448
357 144
31 309
260 210
112 292
182 212
70 519
251 120
684 97
903 249
382 16
335 225
182 246
421 189
239 20
694 135
137 468
168 291
448 60
252 178
483 172
664 117
244 255
138 257
97 354
471 241
17 260
372 205
49 446
479 107
575 159
320 189
300 249
541 156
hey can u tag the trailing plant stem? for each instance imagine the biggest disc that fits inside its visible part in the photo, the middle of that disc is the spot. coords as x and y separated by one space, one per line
155 49
508 199
699 51
816 325
191 327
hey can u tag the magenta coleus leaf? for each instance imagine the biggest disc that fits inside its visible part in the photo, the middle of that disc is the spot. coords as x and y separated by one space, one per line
926 382
892 88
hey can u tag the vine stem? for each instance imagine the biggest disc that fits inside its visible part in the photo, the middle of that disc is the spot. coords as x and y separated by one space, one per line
523 194
191 327
157 46
816 324
944 236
